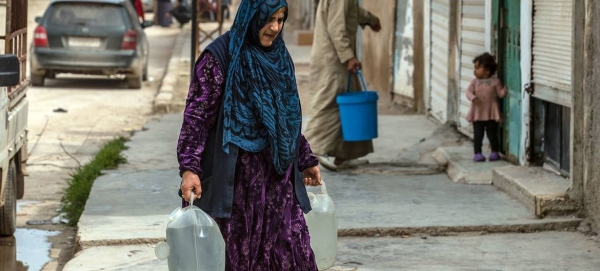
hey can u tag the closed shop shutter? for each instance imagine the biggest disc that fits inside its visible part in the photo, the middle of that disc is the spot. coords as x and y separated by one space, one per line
438 81
403 49
552 47
472 43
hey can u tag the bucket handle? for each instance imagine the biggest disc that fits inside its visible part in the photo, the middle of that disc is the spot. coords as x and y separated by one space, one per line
362 80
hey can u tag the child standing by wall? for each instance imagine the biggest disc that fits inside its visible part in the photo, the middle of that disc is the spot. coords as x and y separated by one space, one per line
483 92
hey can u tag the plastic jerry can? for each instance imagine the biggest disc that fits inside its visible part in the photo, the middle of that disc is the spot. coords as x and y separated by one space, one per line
322 226
194 242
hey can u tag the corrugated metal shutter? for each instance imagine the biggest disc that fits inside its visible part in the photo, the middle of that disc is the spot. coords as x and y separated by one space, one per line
403 49
472 43
552 47
440 14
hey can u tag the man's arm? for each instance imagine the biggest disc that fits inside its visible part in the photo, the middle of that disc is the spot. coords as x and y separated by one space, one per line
336 29
366 18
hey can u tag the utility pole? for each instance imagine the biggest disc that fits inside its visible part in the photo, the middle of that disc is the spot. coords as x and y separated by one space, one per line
204 11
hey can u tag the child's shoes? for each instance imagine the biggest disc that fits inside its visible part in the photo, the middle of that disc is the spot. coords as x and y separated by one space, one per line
478 158
494 156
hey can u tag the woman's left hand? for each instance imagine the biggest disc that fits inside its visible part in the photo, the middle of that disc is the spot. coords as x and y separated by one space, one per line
312 176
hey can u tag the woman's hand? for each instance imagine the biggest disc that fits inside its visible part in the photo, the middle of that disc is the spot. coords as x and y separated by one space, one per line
190 182
312 176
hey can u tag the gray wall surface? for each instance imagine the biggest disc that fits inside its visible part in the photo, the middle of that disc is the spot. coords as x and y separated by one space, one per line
591 105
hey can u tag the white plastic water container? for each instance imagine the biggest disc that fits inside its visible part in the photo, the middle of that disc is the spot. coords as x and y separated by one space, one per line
322 226
194 242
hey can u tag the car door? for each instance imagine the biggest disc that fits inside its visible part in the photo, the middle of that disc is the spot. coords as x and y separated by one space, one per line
143 46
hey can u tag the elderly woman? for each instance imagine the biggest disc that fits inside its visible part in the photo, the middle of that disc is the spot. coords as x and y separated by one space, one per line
240 148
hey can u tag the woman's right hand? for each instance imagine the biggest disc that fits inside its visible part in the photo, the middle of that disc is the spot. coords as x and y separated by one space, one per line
190 182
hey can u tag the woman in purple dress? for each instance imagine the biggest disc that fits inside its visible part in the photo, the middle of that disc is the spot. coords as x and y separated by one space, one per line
241 137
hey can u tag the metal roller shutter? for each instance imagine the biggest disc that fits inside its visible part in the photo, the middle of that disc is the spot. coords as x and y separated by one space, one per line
472 43
552 47
440 14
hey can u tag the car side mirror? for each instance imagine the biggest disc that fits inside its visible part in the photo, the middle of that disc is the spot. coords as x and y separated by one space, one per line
9 70
38 19
147 24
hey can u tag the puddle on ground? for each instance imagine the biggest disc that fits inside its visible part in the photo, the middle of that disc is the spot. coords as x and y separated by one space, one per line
27 250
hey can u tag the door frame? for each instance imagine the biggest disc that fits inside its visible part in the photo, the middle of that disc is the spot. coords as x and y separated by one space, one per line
526 63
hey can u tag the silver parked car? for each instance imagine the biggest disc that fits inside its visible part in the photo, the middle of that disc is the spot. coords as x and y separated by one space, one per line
90 37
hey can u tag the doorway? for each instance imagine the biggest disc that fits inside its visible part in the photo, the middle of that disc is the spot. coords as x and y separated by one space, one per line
507 27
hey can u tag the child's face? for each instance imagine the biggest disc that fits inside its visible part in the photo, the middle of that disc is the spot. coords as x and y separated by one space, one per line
479 71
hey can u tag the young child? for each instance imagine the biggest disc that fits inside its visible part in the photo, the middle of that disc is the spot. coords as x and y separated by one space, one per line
483 92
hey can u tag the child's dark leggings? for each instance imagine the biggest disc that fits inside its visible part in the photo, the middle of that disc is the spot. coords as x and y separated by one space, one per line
491 127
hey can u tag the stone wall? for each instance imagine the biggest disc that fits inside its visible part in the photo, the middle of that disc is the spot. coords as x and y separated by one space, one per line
591 106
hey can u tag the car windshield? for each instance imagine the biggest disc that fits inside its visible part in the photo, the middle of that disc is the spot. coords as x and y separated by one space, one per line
86 14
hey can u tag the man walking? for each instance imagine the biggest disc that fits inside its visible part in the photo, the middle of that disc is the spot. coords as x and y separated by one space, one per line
333 59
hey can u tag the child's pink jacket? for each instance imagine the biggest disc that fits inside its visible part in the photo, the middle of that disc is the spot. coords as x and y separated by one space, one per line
487 92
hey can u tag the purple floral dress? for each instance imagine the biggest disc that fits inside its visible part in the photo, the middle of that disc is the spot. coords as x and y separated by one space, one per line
267 230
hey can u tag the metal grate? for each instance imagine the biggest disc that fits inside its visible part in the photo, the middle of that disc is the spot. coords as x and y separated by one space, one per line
15 39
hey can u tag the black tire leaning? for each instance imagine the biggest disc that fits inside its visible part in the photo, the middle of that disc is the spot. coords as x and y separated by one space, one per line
8 212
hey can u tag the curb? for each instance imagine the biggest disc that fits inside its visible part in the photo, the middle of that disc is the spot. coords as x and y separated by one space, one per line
164 97
561 225
565 225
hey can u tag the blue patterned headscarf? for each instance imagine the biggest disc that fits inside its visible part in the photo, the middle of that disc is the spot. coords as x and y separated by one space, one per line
261 103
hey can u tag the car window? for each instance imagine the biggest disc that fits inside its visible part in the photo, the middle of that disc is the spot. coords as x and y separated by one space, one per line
87 14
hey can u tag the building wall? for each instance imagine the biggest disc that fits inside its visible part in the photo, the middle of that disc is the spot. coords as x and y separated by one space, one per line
294 15
591 107
403 50
378 49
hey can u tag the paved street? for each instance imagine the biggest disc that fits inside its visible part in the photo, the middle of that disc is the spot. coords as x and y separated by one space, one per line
70 118
391 220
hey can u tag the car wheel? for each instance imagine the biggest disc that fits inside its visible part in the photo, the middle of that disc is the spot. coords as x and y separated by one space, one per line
8 212
51 75
134 82
37 80
20 180
145 73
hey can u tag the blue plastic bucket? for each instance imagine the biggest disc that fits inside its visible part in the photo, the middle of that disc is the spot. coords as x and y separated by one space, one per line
358 113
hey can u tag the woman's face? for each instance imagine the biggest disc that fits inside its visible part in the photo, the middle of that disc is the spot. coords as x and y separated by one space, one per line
272 29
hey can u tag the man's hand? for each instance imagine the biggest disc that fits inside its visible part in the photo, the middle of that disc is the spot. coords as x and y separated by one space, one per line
376 27
312 176
353 65
190 182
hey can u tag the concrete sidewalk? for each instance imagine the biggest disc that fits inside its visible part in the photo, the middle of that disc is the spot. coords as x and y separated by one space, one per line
128 207
391 213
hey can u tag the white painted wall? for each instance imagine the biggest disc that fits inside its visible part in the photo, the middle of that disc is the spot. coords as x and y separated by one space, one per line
403 60
427 52
526 58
